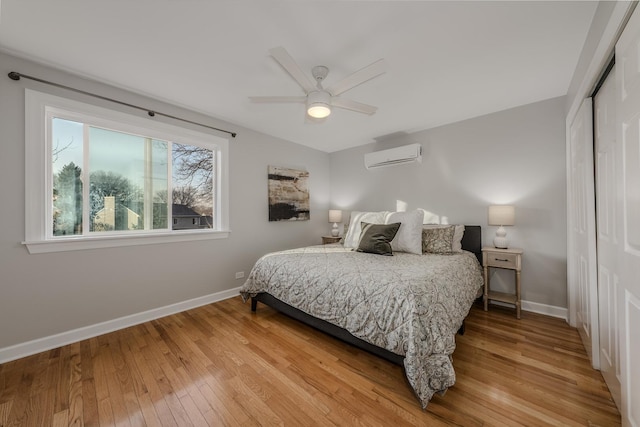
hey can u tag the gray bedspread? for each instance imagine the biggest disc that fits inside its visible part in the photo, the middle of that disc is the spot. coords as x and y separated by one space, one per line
411 305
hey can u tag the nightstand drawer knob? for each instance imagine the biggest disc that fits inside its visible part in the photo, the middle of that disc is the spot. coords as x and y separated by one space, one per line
503 260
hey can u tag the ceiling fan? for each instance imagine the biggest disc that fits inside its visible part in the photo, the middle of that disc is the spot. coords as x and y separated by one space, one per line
319 100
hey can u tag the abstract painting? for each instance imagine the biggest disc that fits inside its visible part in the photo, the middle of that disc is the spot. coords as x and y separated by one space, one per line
288 194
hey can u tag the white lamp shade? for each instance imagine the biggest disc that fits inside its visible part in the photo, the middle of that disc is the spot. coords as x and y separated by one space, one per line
335 215
502 215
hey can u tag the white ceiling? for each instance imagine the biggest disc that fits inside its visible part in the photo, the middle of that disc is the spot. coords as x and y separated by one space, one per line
447 61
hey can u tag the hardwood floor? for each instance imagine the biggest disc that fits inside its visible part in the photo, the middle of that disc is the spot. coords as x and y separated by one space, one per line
222 365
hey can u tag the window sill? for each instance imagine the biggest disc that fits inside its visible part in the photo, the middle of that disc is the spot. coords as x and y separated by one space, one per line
82 243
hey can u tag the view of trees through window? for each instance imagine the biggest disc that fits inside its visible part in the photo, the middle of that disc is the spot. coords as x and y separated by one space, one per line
123 182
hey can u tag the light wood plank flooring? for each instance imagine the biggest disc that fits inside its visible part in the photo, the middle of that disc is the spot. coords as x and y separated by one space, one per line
222 365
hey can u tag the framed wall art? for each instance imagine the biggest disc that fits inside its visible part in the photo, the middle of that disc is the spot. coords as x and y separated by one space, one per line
288 194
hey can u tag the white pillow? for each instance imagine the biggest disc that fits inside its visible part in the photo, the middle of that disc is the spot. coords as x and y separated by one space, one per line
456 245
409 236
352 237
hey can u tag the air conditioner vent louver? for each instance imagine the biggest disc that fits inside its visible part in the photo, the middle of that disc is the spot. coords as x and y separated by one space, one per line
393 156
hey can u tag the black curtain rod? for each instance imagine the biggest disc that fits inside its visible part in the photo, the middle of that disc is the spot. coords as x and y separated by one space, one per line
16 76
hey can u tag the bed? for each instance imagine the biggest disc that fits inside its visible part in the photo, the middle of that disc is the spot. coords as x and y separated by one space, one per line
406 308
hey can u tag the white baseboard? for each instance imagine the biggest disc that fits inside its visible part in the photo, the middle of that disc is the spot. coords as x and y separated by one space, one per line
549 310
535 307
28 348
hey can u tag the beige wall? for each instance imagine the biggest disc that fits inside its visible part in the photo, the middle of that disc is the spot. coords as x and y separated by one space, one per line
46 294
515 156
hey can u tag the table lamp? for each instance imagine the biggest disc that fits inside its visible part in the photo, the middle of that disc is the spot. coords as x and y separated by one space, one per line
335 216
501 215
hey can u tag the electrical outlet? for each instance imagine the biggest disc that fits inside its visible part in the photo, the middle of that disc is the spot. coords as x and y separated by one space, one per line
239 274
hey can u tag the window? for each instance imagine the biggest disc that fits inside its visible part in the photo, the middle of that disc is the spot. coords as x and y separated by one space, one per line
97 177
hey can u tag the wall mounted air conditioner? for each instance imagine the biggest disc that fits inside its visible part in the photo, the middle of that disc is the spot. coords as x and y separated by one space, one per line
393 156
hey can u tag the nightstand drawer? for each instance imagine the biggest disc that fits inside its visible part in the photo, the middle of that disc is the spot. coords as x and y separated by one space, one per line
503 260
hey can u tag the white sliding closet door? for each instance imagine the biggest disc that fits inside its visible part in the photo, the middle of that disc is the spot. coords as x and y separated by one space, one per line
628 169
582 239
607 150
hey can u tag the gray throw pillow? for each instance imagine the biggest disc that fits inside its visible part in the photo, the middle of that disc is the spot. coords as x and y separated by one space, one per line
376 238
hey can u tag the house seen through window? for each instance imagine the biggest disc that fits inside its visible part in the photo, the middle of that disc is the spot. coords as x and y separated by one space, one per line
106 181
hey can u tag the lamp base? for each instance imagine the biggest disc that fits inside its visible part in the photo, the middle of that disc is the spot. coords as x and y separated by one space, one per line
334 230
500 241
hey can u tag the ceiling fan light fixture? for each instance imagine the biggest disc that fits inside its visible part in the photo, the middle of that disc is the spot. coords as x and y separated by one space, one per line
318 110
319 104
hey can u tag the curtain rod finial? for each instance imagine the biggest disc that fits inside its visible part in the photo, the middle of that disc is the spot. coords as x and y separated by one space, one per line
14 76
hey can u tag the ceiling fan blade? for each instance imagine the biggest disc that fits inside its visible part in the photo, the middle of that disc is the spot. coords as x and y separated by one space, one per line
365 74
287 62
278 99
348 104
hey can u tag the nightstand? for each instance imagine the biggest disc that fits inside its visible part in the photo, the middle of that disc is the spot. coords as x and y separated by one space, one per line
330 239
510 259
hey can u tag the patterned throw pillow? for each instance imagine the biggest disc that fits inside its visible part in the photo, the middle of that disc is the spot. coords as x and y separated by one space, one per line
437 240
456 245
376 238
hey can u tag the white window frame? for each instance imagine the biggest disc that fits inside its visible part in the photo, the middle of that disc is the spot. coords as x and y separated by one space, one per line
39 176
